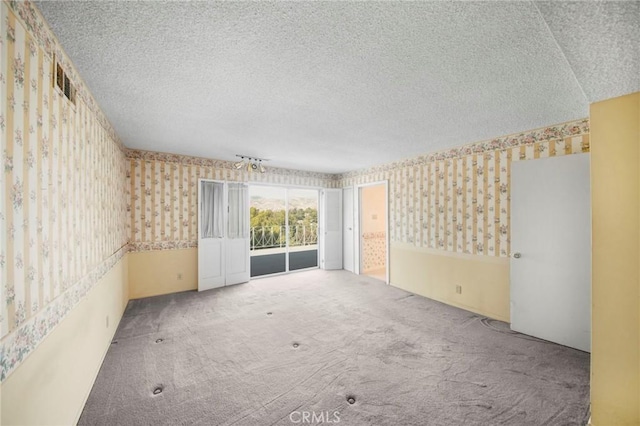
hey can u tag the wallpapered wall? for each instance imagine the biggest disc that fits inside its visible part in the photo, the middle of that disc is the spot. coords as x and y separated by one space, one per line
458 200
162 190
374 251
63 195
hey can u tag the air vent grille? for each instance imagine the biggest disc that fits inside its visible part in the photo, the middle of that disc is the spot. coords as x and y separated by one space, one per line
61 80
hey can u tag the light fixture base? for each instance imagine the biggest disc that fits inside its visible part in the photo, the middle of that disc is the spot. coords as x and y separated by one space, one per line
251 163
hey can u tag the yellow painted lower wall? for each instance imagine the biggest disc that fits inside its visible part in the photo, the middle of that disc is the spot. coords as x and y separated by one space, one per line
434 274
484 279
51 386
152 273
615 315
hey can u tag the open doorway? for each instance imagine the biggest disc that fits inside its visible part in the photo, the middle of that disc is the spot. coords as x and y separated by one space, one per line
373 231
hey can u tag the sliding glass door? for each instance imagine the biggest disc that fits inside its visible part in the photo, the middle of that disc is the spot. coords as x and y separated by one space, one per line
303 228
284 229
268 206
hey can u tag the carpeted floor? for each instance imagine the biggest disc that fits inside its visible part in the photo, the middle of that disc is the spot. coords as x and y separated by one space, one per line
328 346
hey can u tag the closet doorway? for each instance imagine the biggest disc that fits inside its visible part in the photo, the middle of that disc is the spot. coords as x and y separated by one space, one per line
283 230
373 231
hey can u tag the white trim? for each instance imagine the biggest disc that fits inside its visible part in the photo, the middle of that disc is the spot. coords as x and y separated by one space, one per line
286 229
353 226
323 232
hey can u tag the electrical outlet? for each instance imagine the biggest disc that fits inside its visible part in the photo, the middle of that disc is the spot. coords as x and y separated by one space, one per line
459 289
179 275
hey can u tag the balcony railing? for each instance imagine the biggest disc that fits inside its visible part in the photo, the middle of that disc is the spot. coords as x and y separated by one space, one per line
265 237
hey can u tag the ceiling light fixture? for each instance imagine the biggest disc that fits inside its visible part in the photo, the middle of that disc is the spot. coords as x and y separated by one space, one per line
251 163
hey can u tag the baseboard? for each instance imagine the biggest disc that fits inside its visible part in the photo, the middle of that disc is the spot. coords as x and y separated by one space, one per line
95 376
52 385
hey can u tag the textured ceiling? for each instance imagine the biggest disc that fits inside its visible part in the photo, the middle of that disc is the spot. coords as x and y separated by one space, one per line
601 41
338 86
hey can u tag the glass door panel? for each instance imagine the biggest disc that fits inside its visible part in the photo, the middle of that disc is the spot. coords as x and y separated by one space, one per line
303 228
268 240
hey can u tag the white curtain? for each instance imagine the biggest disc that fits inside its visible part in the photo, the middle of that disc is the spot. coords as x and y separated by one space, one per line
238 210
212 219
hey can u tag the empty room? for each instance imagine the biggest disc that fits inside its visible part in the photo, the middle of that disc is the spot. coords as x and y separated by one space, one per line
310 212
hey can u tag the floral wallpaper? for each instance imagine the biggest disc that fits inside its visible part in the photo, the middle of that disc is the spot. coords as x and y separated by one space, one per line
374 251
458 200
63 206
162 194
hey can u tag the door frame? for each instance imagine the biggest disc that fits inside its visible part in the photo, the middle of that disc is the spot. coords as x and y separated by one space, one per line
344 233
323 220
357 219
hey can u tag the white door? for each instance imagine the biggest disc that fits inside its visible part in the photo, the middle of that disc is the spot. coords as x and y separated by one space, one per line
211 247
223 234
238 269
550 263
347 229
331 228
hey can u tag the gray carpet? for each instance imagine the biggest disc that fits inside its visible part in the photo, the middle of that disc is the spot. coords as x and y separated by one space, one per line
284 349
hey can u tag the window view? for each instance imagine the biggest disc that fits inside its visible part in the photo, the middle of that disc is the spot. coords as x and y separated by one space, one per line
284 229
303 228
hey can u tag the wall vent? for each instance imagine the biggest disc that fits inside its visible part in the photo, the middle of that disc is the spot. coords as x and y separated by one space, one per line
62 82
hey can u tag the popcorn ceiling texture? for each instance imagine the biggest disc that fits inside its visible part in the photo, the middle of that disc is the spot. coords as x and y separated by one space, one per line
601 41
339 86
